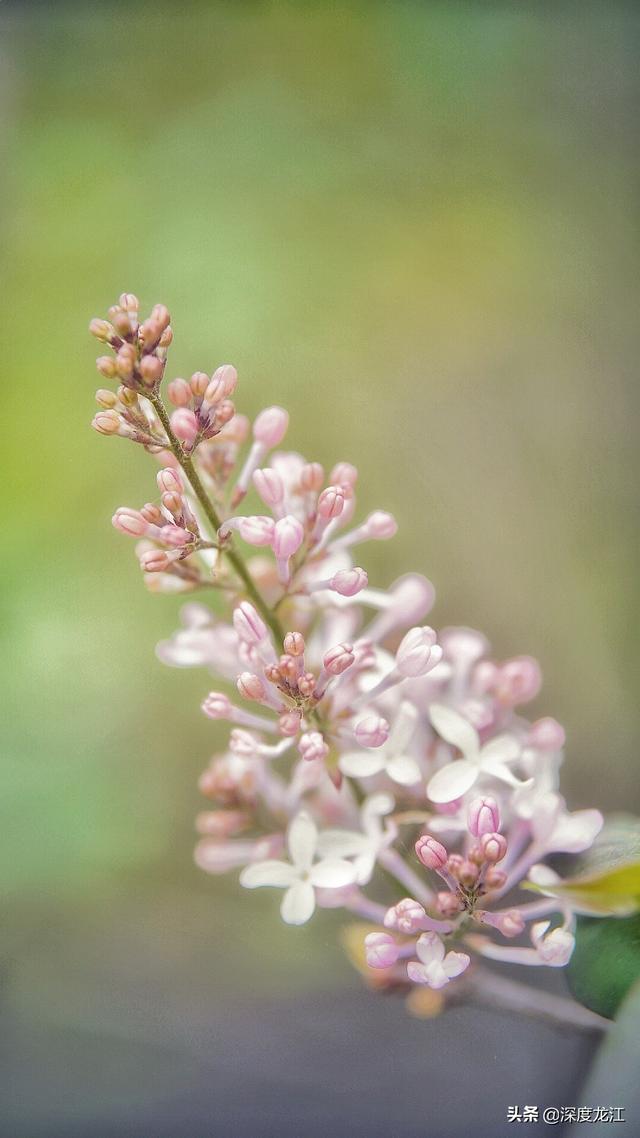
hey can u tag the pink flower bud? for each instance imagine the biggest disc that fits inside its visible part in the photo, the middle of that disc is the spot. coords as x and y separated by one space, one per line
338 659
349 582
160 315
107 422
418 652
311 477
222 823
289 723
495 878
372 731
312 746
431 853
250 686
125 362
269 485
155 561
130 522
448 904
243 743
380 526
169 481
106 365
407 916
101 329
217 705
547 735
175 536
483 816
556 948
381 950
152 514
288 536
130 303
179 392
184 425
344 474
468 874
518 681
249 624
256 529
331 502
198 383
222 384
294 644
510 924
106 399
151 369
270 426
493 846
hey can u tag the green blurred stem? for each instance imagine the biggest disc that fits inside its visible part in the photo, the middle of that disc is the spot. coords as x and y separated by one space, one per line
239 567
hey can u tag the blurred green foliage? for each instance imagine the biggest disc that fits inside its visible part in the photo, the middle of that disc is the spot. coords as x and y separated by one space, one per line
410 223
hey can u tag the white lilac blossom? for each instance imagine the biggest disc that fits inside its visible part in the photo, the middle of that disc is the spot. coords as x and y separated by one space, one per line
372 750
302 875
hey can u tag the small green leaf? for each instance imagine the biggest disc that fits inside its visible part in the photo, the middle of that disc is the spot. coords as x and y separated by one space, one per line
606 879
612 894
605 963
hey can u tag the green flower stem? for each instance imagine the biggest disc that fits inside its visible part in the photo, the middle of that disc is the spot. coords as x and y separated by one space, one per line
238 565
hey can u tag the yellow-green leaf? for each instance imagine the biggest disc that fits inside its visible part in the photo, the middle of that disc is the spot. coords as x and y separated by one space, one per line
613 893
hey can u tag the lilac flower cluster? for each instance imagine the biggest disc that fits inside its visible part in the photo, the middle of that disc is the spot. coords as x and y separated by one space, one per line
361 740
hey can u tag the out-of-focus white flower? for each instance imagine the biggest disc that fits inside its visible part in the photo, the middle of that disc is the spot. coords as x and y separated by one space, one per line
364 847
301 876
391 758
555 830
457 777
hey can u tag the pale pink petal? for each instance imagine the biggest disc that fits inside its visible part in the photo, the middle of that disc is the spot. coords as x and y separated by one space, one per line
404 726
504 748
279 874
454 728
378 805
404 770
341 843
501 771
436 975
417 972
361 764
364 866
332 873
452 781
575 832
298 903
429 948
537 931
455 962
302 840
545 812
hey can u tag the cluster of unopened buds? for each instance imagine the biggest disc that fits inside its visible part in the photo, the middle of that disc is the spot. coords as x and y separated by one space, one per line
372 764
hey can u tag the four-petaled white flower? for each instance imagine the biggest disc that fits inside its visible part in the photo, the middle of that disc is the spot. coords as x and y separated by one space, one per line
433 967
300 877
554 829
390 757
457 777
363 846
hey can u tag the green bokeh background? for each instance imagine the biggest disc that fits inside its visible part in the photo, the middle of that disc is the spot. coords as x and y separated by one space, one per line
414 226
